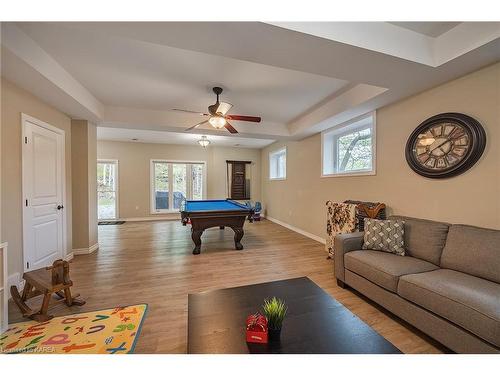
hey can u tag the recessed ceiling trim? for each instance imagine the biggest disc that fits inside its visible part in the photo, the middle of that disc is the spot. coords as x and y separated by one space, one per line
320 118
464 38
432 29
376 36
398 41
124 117
174 138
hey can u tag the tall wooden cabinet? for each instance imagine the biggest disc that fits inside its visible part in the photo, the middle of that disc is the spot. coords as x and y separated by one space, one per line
238 183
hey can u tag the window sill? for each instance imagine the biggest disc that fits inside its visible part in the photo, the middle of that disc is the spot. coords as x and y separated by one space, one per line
350 174
277 178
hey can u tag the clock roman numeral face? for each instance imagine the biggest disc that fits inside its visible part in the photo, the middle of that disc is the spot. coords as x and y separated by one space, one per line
441 146
445 145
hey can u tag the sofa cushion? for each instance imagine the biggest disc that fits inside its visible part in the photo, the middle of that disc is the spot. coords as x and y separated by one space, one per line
468 301
424 239
384 269
384 235
473 250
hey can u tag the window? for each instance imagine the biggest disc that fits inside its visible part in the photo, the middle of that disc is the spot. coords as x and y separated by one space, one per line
277 164
173 182
107 189
349 149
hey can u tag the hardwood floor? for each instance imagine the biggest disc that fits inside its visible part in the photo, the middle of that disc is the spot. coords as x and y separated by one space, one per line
151 262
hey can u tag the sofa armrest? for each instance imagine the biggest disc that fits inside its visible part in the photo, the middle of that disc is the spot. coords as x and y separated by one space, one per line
343 244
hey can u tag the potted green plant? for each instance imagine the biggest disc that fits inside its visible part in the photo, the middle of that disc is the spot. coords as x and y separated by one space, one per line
275 310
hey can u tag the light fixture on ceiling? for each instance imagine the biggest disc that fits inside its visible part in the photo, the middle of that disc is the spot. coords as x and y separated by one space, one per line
217 121
204 142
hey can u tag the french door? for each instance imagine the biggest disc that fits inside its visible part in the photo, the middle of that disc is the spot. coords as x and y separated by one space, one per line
107 189
173 182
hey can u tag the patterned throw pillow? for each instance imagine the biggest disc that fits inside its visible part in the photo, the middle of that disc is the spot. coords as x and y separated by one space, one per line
385 235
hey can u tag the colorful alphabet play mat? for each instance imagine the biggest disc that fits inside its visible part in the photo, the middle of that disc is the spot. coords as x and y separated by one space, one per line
112 331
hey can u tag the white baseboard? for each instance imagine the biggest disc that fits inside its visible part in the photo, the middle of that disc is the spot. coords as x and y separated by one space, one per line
150 218
295 229
69 257
86 250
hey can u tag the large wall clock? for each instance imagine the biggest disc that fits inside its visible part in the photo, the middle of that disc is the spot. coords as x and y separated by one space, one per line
445 145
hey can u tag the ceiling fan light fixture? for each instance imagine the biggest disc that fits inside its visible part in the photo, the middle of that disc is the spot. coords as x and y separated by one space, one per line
204 142
217 121
218 117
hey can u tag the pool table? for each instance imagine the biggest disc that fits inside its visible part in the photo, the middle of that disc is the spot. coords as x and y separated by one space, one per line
221 213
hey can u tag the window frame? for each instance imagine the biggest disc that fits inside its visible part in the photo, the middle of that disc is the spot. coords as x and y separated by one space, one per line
271 154
117 187
152 186
343 129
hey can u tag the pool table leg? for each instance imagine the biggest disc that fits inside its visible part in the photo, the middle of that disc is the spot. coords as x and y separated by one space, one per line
238 235
196 236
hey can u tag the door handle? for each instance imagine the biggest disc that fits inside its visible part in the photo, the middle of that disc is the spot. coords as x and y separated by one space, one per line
60 207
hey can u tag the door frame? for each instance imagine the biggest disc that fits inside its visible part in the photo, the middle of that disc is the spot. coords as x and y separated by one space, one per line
24 119
117 188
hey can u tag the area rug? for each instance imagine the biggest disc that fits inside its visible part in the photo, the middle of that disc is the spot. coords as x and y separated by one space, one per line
111 331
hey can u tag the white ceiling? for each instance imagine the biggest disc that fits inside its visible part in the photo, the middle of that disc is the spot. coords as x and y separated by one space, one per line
432 29
151 136
300 77
131 73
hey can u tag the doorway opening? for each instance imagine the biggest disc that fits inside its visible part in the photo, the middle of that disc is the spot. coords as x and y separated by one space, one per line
107 189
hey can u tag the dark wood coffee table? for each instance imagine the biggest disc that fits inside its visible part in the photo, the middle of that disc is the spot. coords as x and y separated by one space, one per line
316 323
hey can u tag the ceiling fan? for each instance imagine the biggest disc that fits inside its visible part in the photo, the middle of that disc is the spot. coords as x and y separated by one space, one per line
217 115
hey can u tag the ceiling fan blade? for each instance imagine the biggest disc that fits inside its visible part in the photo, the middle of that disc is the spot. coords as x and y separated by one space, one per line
230 128
224 108
195 126
188 111
219 108
243 118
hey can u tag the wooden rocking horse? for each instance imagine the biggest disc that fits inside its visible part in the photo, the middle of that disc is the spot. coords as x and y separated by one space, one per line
42 281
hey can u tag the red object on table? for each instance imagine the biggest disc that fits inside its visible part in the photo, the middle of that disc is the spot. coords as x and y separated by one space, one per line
256 328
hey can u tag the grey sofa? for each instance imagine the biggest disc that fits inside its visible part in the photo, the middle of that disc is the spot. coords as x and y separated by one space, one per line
447 285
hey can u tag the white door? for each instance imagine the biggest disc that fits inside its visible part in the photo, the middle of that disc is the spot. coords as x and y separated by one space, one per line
43 191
